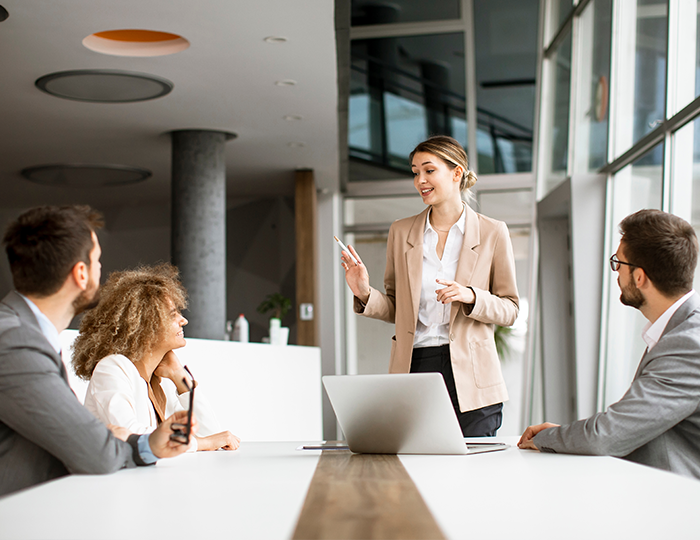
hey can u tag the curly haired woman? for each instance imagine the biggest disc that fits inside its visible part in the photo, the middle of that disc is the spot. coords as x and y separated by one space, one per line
125 349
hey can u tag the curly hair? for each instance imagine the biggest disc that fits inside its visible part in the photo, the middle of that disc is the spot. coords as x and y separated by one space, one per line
132 317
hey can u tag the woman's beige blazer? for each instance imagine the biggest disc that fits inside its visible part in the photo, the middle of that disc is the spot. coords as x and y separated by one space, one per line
486 265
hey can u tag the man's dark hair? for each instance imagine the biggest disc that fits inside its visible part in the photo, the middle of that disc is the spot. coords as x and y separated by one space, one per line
45 243
664 246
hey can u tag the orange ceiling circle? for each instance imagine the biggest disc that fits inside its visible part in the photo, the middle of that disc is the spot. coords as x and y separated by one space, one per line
134 42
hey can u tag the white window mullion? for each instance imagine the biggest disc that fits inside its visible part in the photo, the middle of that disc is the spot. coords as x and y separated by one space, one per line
470 71
623 76
575 77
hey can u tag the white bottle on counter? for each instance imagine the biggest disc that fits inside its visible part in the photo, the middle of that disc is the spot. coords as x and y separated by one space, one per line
240 329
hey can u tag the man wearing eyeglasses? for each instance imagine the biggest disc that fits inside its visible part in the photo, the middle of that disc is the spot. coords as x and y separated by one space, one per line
657 421
45 432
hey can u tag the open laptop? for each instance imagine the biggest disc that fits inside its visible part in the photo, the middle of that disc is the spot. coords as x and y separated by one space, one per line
399 414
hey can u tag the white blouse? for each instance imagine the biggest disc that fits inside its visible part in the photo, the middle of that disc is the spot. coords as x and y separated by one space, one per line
117 394
432 328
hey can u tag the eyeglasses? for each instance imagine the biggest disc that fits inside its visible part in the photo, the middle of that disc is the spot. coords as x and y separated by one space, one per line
615 263
181 432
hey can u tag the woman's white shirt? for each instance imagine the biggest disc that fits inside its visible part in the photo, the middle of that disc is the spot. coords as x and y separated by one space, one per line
117 394
432 328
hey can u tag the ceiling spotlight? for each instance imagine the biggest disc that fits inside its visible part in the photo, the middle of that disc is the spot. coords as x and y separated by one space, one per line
286 82
292 117
275 39
296 145
4 14
104 85
80 175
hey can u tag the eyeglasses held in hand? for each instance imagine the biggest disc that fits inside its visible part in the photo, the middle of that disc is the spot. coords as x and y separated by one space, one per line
181 432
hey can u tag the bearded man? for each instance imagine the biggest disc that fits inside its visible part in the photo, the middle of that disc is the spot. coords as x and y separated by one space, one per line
657 421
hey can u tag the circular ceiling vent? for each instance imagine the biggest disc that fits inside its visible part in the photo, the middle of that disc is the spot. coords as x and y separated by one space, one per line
85 175
104 85
135 43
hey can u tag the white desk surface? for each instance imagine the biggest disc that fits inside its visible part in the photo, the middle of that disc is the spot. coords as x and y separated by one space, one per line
258 492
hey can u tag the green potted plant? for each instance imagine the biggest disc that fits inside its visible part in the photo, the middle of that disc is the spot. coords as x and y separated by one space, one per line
501 335
279 305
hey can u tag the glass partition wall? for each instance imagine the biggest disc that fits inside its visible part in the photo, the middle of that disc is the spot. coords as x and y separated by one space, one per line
464 68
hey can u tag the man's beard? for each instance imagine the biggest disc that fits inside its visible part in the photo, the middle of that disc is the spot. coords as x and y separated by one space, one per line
87 299
632 296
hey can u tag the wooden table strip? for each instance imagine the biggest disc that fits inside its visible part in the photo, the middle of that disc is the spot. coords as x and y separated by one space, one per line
364 496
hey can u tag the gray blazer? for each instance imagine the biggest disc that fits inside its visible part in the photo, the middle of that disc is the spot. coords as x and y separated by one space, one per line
44 430
657 421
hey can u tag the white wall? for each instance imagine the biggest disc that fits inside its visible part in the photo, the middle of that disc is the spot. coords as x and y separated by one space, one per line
259 392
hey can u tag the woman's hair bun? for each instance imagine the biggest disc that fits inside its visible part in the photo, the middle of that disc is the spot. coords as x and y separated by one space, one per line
470 179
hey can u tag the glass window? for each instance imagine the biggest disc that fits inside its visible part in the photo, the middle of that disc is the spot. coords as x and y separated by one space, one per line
641 80
637 186
685 190
685 76
560 10
402 90
595 25
369 12
557 115
506 64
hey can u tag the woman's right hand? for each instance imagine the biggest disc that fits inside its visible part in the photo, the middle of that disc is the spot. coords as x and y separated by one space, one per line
356 275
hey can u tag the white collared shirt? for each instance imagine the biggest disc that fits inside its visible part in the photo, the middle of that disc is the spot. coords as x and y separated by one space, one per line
651 334
432 328
47 328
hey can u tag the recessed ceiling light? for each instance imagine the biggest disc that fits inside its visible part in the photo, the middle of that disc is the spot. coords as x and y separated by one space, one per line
80 175
296 144
291 117
3 14
286 82
276 39
135 43
104 85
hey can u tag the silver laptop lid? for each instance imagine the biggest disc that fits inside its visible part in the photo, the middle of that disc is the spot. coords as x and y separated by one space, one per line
396 414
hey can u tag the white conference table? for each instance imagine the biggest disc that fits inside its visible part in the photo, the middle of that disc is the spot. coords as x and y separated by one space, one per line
258 492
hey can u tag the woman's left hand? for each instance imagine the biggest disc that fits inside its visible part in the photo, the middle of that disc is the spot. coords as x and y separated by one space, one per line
454 292
219 441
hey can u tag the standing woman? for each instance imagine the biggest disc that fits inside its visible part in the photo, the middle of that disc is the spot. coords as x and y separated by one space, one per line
450 277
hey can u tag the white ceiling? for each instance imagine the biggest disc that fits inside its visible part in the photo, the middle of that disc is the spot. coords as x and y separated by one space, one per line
224 81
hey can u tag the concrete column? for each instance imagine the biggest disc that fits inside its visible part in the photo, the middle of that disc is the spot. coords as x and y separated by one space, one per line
198 230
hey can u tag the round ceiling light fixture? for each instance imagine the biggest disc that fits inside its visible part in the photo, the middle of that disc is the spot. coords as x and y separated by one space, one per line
275 39
135 43
80 175
292 117
104 85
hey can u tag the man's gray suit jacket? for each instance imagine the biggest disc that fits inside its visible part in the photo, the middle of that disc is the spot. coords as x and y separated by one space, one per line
44 430
657 421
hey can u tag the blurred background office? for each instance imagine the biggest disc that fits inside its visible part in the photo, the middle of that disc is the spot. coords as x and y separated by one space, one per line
235 138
